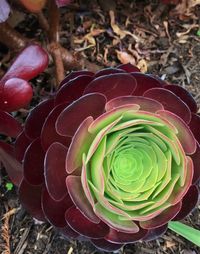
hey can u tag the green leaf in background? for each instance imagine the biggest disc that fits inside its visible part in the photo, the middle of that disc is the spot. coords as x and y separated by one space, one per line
191 234
9 186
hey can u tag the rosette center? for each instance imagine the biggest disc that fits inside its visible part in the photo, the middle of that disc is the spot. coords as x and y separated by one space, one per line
125 165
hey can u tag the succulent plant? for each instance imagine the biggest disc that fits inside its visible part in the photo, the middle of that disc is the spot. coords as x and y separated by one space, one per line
4 11
16 93
31 5
111 157
37 5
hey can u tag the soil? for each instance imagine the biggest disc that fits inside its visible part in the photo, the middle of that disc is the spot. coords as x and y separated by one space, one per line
154 37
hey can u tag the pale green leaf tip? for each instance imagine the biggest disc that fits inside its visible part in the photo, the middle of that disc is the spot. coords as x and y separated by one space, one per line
189 233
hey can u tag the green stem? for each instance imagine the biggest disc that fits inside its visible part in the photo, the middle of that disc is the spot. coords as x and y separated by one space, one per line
191 234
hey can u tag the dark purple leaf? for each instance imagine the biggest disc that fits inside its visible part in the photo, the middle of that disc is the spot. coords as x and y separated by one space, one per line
36 118
163 218
145 104
194 126
75 74
71 117
189 201
83 226
34 163
115 236
4 11
30 198
108 71
29 63
49 134
77 194
155 233
113 85
55 172
68 232
14 88
12 166
7 148
9 126
170 102
16 94
54 211
196 163
184 95
72 90
21 144
144 83
184 134
128 68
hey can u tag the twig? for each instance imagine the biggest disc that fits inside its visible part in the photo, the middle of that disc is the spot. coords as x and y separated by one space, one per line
48 246
11 38
54 38
15 41
57 57
70 60
5 232
54 20
23 248
11 212
6 237
22 241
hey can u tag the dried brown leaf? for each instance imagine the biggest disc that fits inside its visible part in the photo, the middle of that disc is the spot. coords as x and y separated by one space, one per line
117 30
125 58
185 9
142 65
189 28
170 244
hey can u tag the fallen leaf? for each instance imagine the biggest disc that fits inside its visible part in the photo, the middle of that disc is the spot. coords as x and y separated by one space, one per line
187 31
117 30
33 5
125 58
142 65
185 8
170 244
89 37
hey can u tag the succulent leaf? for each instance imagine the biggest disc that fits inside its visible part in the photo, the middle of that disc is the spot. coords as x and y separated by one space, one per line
15 91
54 171
4 11
34 5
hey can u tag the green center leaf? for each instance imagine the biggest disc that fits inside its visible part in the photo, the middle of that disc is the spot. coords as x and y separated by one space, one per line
134 167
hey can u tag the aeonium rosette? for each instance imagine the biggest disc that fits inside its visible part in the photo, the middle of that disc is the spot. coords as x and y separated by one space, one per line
112 156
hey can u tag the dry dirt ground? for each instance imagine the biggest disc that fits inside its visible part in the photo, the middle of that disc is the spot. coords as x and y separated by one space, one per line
159 39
